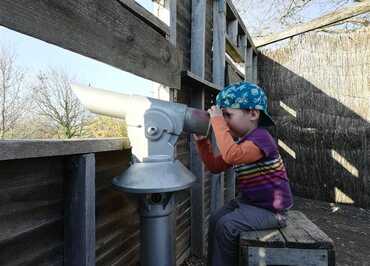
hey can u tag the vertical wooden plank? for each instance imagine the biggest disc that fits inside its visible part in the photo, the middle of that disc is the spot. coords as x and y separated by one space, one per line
217 184
173 21
219 32
198 188
217 191
172 6
232 31
242 40
198 25
255 66
79 230
249 63
197 100
230 185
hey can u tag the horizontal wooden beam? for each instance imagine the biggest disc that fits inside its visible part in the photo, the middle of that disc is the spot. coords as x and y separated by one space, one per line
196 81
22 149
104 30
147 17
323 21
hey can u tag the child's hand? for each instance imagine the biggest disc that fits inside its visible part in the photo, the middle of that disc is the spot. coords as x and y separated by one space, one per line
215 111
198 137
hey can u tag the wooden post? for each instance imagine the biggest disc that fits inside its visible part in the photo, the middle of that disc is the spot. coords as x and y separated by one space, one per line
173 21
242 41
197 190
232 31
198 26
255 66
230 184
248 63
79 230
219 32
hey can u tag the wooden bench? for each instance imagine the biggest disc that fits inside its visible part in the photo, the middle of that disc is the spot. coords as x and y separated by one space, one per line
300 243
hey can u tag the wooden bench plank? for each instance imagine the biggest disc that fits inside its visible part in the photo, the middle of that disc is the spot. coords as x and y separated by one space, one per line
265 238
258 256
300 232
300 243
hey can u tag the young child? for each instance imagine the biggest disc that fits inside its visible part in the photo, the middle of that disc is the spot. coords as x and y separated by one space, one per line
263 188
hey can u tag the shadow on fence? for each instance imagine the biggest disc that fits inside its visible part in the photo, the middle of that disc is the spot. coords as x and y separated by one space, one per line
325 143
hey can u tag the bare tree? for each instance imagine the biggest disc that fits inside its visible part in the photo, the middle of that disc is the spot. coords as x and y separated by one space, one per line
55 100
265 17
12 98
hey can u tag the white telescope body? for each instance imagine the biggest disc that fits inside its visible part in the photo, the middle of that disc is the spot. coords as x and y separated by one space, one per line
153 125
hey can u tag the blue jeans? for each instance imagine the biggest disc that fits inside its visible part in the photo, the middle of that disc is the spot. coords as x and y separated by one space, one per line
226 224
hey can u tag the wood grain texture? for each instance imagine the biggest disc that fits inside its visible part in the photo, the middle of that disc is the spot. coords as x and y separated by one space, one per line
79 225
300 232
103 30
183 32
209 41
21 149
147 17
301 242
31 211
198 35
249 64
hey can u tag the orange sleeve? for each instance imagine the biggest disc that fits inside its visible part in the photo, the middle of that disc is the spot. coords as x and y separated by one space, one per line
213 164
234 153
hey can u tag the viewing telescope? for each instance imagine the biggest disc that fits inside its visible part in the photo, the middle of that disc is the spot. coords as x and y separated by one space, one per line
154 123
154 127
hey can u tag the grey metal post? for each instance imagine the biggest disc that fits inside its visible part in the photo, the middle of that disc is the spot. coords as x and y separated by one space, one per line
157 238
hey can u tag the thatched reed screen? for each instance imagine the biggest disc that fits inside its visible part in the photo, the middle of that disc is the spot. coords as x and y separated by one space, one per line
319 93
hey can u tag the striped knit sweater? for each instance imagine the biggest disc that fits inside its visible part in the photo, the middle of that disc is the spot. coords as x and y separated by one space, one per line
261 179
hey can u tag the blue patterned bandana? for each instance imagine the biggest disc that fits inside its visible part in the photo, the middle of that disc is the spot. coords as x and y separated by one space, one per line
245 95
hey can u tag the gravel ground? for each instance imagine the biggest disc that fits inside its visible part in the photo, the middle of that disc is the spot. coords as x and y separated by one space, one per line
348 226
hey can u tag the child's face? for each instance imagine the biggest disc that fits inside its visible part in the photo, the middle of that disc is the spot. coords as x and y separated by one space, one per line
240 121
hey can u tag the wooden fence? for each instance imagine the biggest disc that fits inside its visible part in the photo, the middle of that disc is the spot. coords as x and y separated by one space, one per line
46 184
320 96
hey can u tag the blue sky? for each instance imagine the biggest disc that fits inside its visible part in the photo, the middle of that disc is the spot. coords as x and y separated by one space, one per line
35 55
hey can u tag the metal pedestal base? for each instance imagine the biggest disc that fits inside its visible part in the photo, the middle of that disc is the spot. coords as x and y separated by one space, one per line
157 234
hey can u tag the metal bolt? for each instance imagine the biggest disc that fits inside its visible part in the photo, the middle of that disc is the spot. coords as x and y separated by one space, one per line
152 131
156 197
